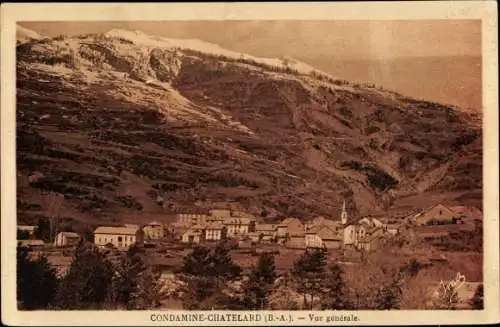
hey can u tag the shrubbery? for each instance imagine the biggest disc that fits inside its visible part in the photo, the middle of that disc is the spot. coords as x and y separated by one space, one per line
377 178
36 282
129 202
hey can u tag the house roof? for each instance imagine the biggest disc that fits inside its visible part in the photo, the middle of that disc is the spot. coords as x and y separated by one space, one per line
324 232
180 230
116 230
265 227
69 234
370 222
26 227
466 210
411 214
314 229
373 229
289 221
192 231
214 225
154 223
322 221
220 210
426 210
369 238
31 242
237 221
242 214
131 225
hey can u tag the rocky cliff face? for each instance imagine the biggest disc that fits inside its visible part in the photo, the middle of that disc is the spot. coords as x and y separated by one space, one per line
129 124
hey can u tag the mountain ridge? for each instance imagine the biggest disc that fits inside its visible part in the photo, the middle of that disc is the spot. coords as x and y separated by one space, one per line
126 129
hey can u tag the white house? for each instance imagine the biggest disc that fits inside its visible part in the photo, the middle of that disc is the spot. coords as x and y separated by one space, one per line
215 232
323 237
237 226
265 232
355 231
120 237
190 219
154 230
220 213
313 240
193 234
67 239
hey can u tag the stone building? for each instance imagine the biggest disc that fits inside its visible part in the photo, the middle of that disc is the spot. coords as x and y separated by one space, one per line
437 213
323 237
290 227
214 232
154 231
190 219
266 233
120 237
66 239
239 226
193 235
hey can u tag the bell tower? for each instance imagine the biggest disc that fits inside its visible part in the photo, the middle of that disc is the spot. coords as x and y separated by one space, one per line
343 215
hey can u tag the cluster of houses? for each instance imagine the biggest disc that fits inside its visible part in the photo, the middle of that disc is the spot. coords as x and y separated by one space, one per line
366 233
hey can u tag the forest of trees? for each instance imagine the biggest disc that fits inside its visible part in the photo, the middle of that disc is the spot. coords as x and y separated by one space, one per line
112 279
94 281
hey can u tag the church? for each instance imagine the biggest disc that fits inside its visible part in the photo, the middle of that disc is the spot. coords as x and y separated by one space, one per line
366 233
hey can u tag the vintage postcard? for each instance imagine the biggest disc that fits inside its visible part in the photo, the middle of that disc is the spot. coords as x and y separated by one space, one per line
250 164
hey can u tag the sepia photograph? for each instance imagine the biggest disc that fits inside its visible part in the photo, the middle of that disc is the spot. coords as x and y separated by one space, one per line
239 166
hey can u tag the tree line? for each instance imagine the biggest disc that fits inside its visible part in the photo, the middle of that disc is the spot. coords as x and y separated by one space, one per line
94 280
112 279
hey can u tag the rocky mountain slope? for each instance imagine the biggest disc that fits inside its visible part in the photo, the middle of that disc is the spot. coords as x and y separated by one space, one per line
130 125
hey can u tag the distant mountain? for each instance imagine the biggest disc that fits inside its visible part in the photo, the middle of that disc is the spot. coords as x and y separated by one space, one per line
24 35
449 80
122 121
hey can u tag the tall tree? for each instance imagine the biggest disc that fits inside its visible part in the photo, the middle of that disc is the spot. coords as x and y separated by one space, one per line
42 232
87 282
134 284
36 281
215 263
207 272
202 293
259 286
197 261
23 235
309 271
388 296
335 294
147 292
477 301
127 267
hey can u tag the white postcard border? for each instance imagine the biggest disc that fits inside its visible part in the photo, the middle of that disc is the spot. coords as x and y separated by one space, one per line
484 10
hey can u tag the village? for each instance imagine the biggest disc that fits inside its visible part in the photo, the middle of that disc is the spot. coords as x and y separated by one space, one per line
343 234
344 240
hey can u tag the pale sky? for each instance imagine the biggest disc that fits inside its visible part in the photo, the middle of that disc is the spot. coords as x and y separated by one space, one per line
338 39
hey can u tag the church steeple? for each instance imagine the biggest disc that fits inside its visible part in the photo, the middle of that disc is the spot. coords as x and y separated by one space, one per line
343 215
